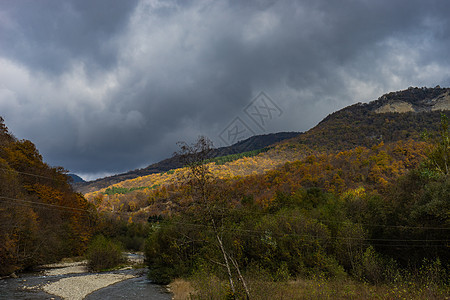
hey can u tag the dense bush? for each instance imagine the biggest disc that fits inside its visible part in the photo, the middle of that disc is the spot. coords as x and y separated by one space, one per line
104 254
131 235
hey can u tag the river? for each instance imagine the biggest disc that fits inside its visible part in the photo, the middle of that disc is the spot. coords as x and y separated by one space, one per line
28 286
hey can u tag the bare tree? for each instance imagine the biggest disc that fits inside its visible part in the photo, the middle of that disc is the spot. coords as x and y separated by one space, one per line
201 180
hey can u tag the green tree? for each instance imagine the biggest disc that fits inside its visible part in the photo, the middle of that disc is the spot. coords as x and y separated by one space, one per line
438 160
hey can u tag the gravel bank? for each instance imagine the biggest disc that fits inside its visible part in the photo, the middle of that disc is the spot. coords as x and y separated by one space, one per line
76 288
66 268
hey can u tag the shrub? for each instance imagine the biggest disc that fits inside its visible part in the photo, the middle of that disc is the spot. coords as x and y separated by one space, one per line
371 266
104 254
170 252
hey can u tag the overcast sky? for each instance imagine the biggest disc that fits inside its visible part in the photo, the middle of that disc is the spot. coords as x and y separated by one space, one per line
104 86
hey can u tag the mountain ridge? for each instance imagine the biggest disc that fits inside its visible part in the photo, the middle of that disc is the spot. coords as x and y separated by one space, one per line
363 124
250 144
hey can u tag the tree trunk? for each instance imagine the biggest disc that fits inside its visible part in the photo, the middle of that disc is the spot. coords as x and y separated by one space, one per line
227 264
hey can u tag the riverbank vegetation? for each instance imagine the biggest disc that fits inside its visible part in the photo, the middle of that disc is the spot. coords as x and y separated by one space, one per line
103 254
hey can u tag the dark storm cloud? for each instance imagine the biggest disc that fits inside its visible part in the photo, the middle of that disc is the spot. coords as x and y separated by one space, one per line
104 86
49 35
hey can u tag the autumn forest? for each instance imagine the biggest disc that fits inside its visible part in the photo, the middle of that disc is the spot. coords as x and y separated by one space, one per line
362 200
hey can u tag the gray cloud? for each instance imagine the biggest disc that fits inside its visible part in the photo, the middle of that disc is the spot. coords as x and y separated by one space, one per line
48 36
108 86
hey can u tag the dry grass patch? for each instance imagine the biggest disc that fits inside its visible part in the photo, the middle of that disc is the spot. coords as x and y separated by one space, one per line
181 289
212 288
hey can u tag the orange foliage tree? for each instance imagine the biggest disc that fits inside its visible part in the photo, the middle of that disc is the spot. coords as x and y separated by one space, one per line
42 218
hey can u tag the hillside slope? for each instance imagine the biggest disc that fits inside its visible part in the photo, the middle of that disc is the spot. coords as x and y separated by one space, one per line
250 144
367 124
42 218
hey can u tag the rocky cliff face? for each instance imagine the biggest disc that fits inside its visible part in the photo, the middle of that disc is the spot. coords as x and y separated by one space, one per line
414 100
395 106
441 102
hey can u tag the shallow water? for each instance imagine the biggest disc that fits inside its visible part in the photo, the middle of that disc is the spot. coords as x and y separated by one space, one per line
12 288
135 288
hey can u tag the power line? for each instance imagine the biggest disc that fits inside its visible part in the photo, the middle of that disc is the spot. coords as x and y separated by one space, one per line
254 233
326 220
309 235
30 174
48 205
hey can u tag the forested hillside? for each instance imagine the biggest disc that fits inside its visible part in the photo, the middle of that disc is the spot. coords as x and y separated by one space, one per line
337 136
41 218
134 197
248 145
361 125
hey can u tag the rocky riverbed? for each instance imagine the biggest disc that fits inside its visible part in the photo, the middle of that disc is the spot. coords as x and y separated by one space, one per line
72 281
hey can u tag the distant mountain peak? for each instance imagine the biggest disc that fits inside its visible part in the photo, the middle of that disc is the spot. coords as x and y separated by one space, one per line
75 178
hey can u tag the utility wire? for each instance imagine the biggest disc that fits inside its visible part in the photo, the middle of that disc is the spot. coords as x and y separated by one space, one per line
307 235
251 233
325 220
54 206
34 175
